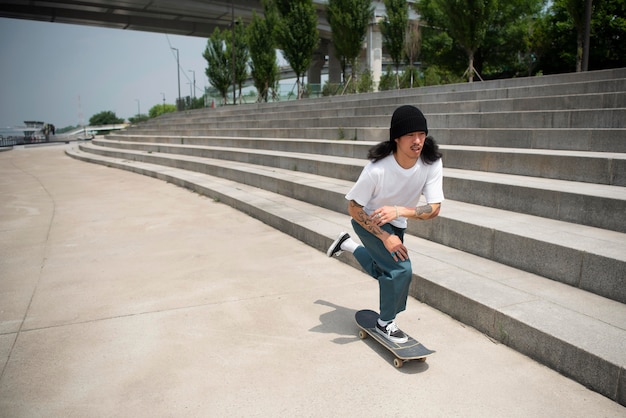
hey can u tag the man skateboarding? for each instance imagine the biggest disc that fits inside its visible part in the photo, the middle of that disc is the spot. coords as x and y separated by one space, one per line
386 194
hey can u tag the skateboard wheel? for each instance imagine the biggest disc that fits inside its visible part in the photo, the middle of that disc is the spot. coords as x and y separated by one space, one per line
362 334
398 363
421 360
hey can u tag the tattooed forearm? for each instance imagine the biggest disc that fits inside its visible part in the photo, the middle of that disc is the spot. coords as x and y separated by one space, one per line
359 215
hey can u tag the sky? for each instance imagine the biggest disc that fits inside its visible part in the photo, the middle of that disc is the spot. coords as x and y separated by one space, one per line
64 74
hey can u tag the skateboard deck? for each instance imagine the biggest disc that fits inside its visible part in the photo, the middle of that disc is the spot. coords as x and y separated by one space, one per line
410 350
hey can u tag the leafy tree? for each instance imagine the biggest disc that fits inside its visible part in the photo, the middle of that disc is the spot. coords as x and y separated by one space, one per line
608 32
393 28
467 22
412 43
106 117
282 6
576 10
555 38
552 39
437 46
158 110
189 102
348 21
262 44
297 35
506 50
240 54
218 70
138 118
460 27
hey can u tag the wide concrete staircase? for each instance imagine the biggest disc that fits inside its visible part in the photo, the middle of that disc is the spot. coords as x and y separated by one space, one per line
530 245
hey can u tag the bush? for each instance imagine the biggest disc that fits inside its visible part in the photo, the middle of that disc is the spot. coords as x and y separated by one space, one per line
433 75
106 117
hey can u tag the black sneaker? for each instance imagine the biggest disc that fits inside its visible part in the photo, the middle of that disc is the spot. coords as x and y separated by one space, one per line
335 247
392 332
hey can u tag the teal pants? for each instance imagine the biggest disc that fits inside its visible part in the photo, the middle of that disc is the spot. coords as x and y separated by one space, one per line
394 277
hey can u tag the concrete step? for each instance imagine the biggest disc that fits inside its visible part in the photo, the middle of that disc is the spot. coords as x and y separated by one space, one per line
588 258
584 332
537 119
600 206
595 140
582 166
531 96
583 139
595 261
610 100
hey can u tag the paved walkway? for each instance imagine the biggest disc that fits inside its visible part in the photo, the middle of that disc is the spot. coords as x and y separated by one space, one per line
122 295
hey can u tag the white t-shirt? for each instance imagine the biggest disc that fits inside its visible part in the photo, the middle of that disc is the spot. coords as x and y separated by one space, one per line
386 183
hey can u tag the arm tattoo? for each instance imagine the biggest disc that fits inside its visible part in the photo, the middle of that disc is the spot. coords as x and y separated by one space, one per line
362 219
421 210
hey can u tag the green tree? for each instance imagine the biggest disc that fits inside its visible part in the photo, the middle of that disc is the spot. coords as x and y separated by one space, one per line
507 47
297 35
576 10
393 28
239 53
437 46
506 50
412 44
555 38
608 32
348 21
106 117
467 22
218 70
160 109
138 118
262 44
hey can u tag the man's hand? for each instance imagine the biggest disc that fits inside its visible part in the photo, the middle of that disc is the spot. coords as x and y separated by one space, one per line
372 224
396 248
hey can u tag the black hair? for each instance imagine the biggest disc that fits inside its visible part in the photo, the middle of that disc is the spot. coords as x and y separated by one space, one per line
430 150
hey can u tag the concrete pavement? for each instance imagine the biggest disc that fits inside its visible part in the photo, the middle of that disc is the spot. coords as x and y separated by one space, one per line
122 295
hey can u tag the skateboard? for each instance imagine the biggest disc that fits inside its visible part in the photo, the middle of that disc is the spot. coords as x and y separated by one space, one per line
410 350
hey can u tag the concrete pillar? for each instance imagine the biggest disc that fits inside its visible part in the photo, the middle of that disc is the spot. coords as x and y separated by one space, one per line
334 66
375 53
314 74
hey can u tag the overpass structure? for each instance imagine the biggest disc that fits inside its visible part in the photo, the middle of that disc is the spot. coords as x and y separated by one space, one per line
191 18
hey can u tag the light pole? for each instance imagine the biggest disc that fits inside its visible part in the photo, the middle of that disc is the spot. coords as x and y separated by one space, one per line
178 70
138 108
194 83
163 94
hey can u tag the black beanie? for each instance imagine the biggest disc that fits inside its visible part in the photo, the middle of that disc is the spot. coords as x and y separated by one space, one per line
407 119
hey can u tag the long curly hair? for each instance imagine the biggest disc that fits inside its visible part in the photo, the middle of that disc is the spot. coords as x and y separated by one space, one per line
430 150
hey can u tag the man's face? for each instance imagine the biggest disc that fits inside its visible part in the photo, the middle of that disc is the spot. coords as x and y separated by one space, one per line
410 145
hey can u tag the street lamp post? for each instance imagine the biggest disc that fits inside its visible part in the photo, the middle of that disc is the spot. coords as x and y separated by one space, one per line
178 70
163 94
194 83
138 108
